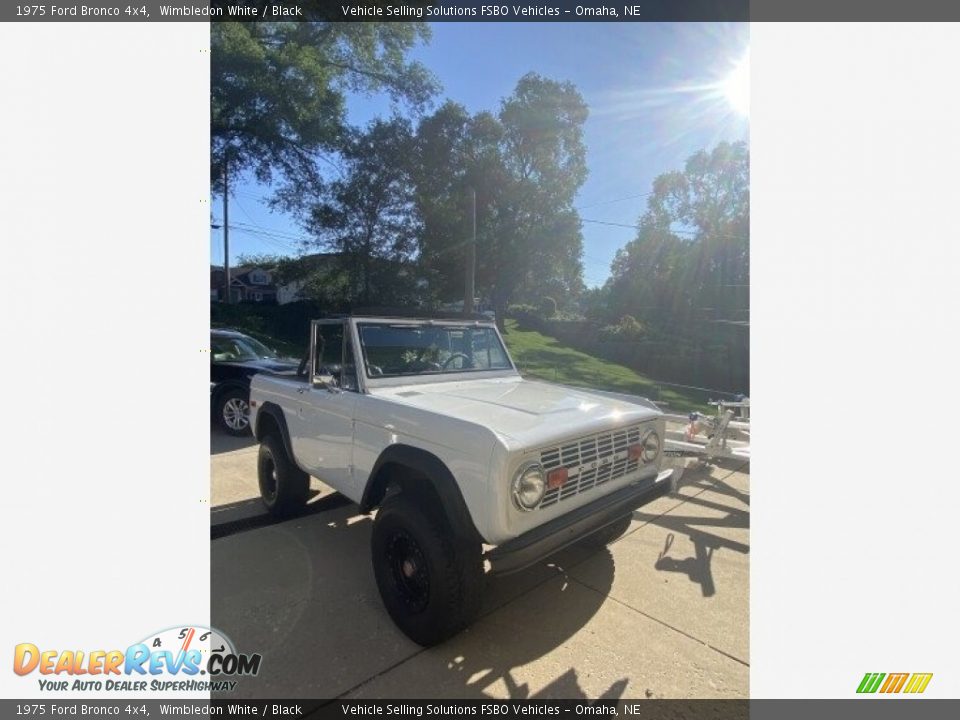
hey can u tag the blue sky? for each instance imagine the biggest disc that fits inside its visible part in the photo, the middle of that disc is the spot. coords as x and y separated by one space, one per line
655 93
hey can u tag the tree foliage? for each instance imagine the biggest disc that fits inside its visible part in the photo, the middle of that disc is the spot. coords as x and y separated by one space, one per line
366 216
278 90
690 261
525 165
262 260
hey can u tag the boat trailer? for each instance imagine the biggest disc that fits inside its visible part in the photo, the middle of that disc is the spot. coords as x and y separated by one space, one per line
726 434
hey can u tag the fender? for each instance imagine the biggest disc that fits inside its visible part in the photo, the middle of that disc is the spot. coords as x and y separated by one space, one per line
275 412
436 473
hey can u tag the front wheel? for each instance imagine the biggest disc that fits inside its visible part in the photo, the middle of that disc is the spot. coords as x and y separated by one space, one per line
430 582
284 488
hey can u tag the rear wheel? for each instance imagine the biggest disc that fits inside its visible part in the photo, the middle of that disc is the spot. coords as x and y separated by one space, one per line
284 487
430 582
233 412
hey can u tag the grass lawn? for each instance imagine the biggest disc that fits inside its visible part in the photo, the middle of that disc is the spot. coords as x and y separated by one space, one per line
543 357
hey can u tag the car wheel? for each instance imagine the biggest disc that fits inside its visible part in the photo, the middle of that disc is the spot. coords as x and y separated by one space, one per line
284 488
233 412
430 583
607 534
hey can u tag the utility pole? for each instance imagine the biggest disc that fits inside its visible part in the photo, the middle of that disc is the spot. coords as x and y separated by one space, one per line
471 257
226 235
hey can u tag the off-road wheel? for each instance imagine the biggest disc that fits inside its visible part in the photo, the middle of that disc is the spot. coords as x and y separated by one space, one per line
284 487
430 582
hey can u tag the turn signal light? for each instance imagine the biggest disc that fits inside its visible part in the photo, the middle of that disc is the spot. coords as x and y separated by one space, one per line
635 451
557 477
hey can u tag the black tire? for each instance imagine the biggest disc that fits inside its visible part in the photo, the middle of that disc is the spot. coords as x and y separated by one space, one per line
614 531
284 488
430 582
233 411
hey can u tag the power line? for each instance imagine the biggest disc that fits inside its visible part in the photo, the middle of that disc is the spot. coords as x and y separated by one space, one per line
269 233
265 237
249 217
614 200
625 225
689 233
279 236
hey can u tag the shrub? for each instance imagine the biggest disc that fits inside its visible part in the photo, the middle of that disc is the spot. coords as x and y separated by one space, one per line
548 307
520 309
629 328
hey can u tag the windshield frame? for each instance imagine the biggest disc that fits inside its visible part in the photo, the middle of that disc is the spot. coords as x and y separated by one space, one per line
429 377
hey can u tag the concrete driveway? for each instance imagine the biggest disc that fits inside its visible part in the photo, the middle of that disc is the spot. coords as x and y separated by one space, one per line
663 612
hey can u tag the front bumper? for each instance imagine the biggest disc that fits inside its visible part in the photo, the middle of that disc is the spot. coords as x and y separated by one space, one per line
531 547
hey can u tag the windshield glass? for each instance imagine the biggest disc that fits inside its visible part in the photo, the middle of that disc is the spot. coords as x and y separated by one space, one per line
236 348
391 350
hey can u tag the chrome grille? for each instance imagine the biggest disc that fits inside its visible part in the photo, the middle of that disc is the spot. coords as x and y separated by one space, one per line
590 461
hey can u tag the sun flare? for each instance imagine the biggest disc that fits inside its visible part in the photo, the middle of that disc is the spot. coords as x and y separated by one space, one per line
736 88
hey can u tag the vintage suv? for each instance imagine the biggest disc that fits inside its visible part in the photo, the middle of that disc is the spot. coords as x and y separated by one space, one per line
467 464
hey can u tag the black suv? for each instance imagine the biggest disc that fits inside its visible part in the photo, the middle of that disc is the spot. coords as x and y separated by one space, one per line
234 359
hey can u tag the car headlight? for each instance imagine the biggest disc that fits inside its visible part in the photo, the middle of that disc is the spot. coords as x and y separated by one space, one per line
650 447
528 486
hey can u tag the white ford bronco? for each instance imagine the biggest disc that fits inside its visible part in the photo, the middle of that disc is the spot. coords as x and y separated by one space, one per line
471 468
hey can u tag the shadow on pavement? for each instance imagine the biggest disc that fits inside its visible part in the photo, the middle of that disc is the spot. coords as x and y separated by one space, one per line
481 662
231 518
302 594
698 566
221 442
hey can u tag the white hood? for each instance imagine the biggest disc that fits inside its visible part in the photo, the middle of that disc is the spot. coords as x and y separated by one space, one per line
528 412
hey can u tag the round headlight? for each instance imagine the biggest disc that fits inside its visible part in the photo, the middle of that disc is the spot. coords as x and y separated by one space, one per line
528 486
650 447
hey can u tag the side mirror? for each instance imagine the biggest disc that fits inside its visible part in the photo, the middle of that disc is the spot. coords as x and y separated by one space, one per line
329 382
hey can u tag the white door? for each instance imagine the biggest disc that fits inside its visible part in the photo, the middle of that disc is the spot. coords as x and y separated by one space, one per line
324 437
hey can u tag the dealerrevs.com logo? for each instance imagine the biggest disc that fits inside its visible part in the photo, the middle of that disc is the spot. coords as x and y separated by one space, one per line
910 683
178 659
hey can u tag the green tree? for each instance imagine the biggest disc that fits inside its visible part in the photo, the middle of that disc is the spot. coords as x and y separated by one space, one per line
277 90
538 240
367 216
455 154
263 260
525 165
690 258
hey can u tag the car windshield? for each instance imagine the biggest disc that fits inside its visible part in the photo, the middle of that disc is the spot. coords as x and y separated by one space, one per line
239 348
391 350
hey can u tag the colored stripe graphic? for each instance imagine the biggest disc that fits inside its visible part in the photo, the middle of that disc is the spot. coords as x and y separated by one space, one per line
894 682
870 682
918 682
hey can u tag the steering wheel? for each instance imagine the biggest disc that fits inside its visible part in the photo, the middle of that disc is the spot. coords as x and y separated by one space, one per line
420 366
454 357
374 370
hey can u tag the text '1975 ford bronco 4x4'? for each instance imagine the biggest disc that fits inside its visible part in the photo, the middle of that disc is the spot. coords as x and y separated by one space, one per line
467 464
